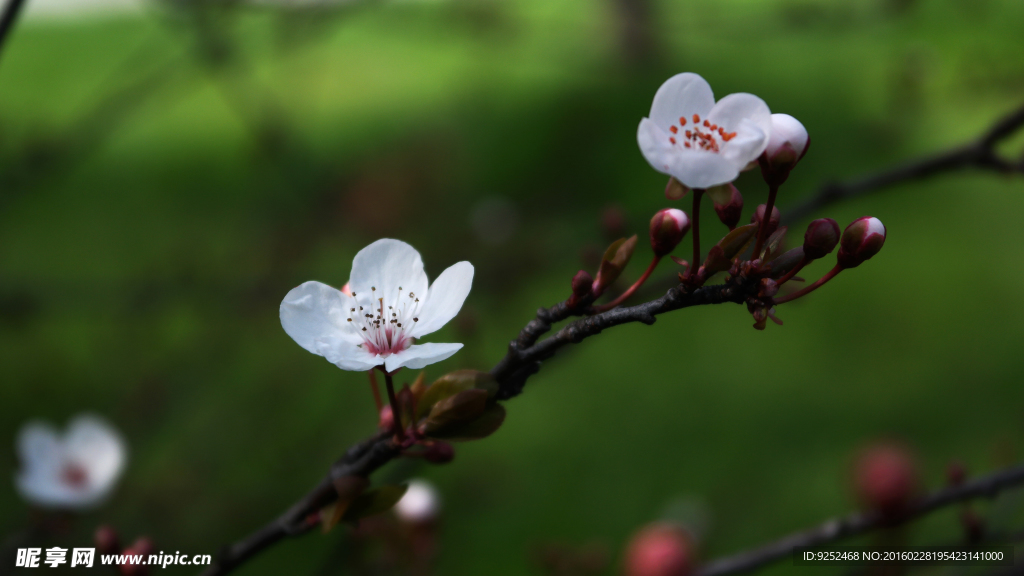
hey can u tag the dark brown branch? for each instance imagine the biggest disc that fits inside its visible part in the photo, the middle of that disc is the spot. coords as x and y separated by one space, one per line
980 154
523 359
860 523
525 355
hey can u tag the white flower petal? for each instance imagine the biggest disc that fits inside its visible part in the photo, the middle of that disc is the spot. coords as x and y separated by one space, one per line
315 310
681 95
701 170
346 355
746 146
655 146
98 448
786 129
444 299
730 113
39 447
420 355
387 265
90 443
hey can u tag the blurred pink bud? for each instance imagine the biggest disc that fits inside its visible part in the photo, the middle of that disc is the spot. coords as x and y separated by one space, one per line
667 229
956 473
106 540
773 223
420 504
387 418
439 453
787 144
821 238
346 290
862 239
141 547
659 549
728 204
885 477
613 222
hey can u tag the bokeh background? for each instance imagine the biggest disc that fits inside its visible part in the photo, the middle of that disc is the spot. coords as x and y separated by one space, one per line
169 170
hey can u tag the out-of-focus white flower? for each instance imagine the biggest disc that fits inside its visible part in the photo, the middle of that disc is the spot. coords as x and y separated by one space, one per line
698 141
388 307
76 470
421 503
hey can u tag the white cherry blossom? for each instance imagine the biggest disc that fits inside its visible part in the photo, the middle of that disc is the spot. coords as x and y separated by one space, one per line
387 308
75 470
698 141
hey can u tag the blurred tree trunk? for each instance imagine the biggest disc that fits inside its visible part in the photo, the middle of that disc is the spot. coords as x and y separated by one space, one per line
637 37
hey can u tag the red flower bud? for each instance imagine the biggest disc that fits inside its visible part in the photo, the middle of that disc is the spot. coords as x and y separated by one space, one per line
821 238
659 550
787 144
728 204
667 229
582 287
439 452
862 239
773 222
886 478
106 540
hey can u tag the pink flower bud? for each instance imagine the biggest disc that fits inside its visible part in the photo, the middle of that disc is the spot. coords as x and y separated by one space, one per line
787 144
886 478
106 540
667 229
613 222
728 204
862 239
387 418
659 550
821 238
773 223
141 547
439 453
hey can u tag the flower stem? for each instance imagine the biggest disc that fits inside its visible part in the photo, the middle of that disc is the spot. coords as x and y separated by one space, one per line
395 413
773 189
629 291
785 277
831 274
695 265
375 389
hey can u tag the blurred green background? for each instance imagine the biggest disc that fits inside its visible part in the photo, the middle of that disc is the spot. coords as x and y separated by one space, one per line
168 174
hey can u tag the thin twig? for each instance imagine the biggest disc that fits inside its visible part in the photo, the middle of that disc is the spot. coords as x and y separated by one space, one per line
980 154
861 523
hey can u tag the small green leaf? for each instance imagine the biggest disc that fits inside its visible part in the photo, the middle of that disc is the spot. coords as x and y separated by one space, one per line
458 409
451 384
773 243
736 242
348 488
482 427
614 260
374 501
716 261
